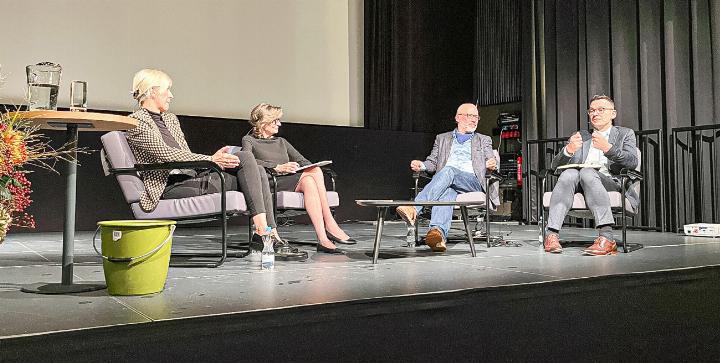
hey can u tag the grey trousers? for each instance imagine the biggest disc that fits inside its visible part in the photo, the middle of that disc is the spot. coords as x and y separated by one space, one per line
249 178
594 186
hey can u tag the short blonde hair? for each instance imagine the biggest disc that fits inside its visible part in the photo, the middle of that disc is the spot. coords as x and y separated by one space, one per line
145 80
263 114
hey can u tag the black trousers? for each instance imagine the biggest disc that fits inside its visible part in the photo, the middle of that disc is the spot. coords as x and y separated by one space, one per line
248 177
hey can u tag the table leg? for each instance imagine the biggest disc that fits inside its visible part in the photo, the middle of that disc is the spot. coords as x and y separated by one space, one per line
70 201
66 285
464 212
378 232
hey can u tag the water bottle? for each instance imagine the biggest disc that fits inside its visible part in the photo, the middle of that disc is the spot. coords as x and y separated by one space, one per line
267 260
410 236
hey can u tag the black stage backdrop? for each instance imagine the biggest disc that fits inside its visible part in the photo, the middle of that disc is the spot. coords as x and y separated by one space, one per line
371 164
419 63
659 60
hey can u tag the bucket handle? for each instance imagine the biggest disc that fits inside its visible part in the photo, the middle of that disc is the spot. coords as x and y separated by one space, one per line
131 259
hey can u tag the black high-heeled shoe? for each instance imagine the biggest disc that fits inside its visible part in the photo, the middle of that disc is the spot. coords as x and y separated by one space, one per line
332 251
349 241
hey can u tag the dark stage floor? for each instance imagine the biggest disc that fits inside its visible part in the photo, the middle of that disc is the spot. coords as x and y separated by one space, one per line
239 287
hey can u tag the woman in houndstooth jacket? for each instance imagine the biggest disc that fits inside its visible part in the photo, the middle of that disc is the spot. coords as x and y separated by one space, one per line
158 138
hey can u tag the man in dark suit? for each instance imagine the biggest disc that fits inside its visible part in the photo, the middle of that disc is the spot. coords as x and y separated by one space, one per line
459 159
608 149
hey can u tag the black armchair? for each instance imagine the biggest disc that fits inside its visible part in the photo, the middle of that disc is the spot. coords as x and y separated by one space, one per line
482 199
619 204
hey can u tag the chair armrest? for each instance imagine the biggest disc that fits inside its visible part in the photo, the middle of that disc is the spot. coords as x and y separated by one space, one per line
199 164
544 173
631 174
494 176
272 172
421 174
332 174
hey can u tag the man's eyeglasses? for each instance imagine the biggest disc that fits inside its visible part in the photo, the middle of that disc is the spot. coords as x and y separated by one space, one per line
591 111
470 116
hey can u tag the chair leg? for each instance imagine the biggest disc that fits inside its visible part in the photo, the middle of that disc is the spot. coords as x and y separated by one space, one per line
417 233
543 227
487 213
624 234
222 256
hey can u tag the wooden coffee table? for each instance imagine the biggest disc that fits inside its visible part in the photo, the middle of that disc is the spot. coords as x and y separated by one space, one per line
71 122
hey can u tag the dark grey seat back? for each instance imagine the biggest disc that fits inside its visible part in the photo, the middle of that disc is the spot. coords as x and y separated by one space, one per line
119 155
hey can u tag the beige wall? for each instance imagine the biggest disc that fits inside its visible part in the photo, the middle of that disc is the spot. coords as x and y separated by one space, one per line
223 55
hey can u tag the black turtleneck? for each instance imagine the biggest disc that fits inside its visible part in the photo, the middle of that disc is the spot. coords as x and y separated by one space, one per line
167 137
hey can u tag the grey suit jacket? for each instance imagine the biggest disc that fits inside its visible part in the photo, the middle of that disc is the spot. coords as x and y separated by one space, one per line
622 154
482 151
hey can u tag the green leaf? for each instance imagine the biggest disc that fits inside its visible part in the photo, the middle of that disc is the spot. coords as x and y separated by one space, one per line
5 194
5 180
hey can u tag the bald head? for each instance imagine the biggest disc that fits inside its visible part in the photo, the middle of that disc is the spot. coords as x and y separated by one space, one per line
467 118
466 108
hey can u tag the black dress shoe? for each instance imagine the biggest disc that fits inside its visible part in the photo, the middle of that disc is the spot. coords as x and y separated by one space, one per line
256 243
349 241
332 251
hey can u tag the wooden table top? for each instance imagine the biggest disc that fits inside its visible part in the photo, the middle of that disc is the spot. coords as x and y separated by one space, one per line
86 121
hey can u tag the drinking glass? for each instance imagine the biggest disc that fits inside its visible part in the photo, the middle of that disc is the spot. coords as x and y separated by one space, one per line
78 96
43 80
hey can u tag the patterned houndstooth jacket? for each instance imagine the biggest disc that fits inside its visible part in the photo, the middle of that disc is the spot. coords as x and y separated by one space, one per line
148 146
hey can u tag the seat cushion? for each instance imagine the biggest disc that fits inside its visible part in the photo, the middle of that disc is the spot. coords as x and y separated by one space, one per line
478 197
294 200
579 202
204 205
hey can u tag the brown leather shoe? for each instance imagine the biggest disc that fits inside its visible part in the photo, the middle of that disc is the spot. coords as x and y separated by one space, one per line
436 240
601 247
407 213
552 243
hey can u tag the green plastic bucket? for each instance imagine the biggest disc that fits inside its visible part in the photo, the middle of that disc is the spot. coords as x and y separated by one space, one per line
136 255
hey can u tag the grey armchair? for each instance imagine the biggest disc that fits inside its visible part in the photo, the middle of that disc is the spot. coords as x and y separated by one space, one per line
118 160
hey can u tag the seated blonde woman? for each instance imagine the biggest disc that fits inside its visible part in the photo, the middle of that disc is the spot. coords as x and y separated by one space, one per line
277 153
158 138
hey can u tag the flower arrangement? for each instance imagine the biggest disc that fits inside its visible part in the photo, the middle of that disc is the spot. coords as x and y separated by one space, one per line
21 145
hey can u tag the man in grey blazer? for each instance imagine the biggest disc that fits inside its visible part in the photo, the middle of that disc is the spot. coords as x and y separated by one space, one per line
459 159
610 148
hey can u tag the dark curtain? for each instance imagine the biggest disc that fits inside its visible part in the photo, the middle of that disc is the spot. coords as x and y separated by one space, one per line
419 63
657 58
498 46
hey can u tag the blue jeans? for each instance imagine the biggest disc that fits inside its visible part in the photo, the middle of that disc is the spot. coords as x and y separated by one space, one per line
445 186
